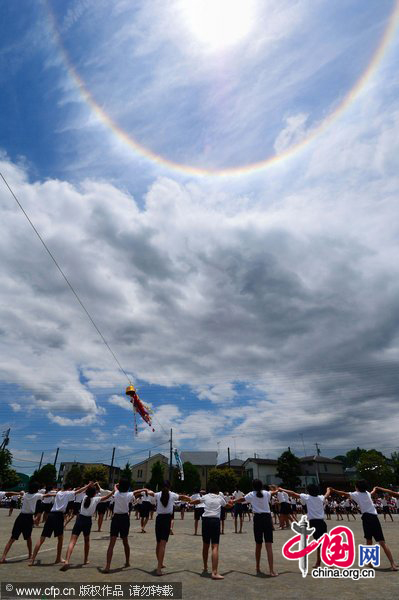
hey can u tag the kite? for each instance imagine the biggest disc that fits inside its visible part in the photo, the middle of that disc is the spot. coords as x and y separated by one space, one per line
139 407
179 463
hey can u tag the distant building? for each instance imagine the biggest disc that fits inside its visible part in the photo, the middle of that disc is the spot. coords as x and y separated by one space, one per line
141 472
236 464
323 470
264 469
22 484
204 461
65 467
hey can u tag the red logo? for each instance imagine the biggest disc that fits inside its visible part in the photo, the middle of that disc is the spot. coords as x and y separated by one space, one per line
337 548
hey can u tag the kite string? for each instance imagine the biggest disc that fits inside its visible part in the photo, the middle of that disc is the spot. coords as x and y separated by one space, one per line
66 279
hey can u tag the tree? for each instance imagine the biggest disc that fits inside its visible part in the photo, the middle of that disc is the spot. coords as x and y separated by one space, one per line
157 476
126 473
225 479
374 468
289 469
342 458
245 484
192 479
353 456
395 465
8 476
74 477
98 473
47 475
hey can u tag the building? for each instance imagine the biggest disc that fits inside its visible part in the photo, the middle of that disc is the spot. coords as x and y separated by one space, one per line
141 472
323 470
65 467
264 469
236 464
204 461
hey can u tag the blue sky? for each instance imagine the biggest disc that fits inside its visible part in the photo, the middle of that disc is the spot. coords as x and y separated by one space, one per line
220 187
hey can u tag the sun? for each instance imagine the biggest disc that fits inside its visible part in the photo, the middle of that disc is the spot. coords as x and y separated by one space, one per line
218 24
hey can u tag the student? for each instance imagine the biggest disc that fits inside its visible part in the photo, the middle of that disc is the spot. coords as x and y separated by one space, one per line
145 511
238 510
211 527
385 507
55 521
164 506
83 522
198 510
223 512
314 502
120 522
263 525
47 501
371 523
285 509
24 522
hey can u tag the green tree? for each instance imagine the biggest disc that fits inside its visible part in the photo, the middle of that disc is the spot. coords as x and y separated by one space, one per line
157 476
8 476
98 473
342 458
192 479
126 473
395 466
373 467
245 484
289 469
225 479
353 456
74 477
47 475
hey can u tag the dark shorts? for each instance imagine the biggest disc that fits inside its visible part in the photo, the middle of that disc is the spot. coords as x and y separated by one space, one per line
222 513
320 527
162 527
54 524
372 527
385 510
46 507
102 508
70 506
238 510
198 512
23 524
263 528
39 507
210 530
13 503
82 525
285 508
120 525
145 510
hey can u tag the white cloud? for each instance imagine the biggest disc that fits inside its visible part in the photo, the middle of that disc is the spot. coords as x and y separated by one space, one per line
120 401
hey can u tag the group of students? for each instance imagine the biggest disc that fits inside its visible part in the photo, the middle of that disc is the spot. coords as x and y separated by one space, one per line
210 508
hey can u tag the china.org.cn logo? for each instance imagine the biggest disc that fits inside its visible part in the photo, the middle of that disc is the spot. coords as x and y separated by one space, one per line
337 552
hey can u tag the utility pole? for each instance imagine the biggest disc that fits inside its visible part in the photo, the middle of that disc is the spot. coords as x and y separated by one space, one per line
228 456
317 464
41 460
56 456
111 469
170 455
318 449
6 439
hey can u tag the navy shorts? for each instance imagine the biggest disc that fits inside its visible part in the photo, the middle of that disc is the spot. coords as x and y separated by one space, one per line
372 527
54 524
162 527
22 524
210 530
263 528
120 525
320 527
82 525
198 512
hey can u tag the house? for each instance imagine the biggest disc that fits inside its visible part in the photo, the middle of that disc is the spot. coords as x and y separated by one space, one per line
141 472
65 467
323 470
204 461
264 469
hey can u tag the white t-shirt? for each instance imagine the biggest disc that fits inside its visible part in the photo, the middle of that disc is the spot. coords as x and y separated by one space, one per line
29 503
363 499
259 505
2 494
79 497
282 497
61 501
121 503
213 504
48 500
168 509
89 512
314 504
238 494
198 497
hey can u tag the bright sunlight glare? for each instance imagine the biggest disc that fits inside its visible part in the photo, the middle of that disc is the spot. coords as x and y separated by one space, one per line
218 24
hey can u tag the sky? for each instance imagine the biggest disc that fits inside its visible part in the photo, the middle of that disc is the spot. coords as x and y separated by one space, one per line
218 181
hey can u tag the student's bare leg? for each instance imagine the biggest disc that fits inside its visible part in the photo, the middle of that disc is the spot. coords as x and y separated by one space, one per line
389 556
205 552
318 559
86 549
59 549
29 545
269 551
160 555
71 546
36 550
7 549
241 522
215 561
110 552
100 521
196 521
126 548
258 553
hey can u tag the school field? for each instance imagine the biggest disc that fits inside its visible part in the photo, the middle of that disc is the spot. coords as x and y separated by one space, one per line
183 561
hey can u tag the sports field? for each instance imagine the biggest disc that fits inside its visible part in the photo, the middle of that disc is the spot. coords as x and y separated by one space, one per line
184 563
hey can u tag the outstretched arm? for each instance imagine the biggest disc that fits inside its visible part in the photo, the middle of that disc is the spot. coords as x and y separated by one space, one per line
340 492
84 488
142 491
289 492
184 498
386 491
328 493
